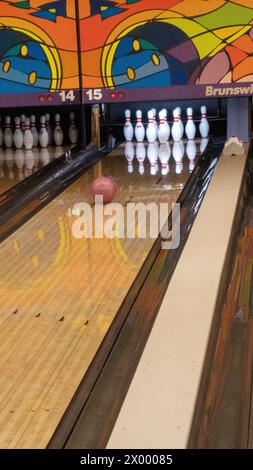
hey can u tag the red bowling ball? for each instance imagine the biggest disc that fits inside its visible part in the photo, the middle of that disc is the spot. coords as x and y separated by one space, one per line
104 186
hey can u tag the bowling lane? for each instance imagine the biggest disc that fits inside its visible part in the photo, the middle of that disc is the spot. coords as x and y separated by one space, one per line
18 164
59 295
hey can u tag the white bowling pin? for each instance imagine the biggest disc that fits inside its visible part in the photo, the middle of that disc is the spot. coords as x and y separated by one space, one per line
58 133
204 125
190 128
141 155
176 130
22 123
8 134
18 137
48 128
28 137
1 135
34 131
151 131
128 127
152 156
154 118
139 128
164 128
203 144
180 122
73 132
164 157
191 152
43 134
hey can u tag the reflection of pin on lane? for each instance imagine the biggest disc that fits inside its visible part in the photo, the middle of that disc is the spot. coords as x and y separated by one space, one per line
191 151
164 156
203 144
152 156
178 154
141 155
129 154
29 160
44 156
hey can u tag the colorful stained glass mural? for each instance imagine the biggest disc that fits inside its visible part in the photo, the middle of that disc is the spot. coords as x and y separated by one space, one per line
38 46
156 43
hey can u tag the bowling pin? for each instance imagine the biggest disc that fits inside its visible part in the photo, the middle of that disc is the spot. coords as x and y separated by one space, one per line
139 128
28 137
34 131
8 134
190 128
180 122
48 128
154 118
73 132
152 156
128 127
1 135
176 130
129 154
141 155
164 128
191 151
18 137
164 156
58 133
203 144
204 125
151 131
43 134
22 123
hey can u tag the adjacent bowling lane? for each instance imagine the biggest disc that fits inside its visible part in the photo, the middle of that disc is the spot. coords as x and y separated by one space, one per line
18 164
59 294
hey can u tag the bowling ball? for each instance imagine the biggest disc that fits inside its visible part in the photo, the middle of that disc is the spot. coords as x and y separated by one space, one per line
104 186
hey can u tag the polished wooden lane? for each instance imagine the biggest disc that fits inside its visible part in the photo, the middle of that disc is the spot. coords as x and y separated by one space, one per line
18 164
59 296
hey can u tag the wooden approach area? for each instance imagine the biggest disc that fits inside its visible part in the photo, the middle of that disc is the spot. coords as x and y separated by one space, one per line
59 296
